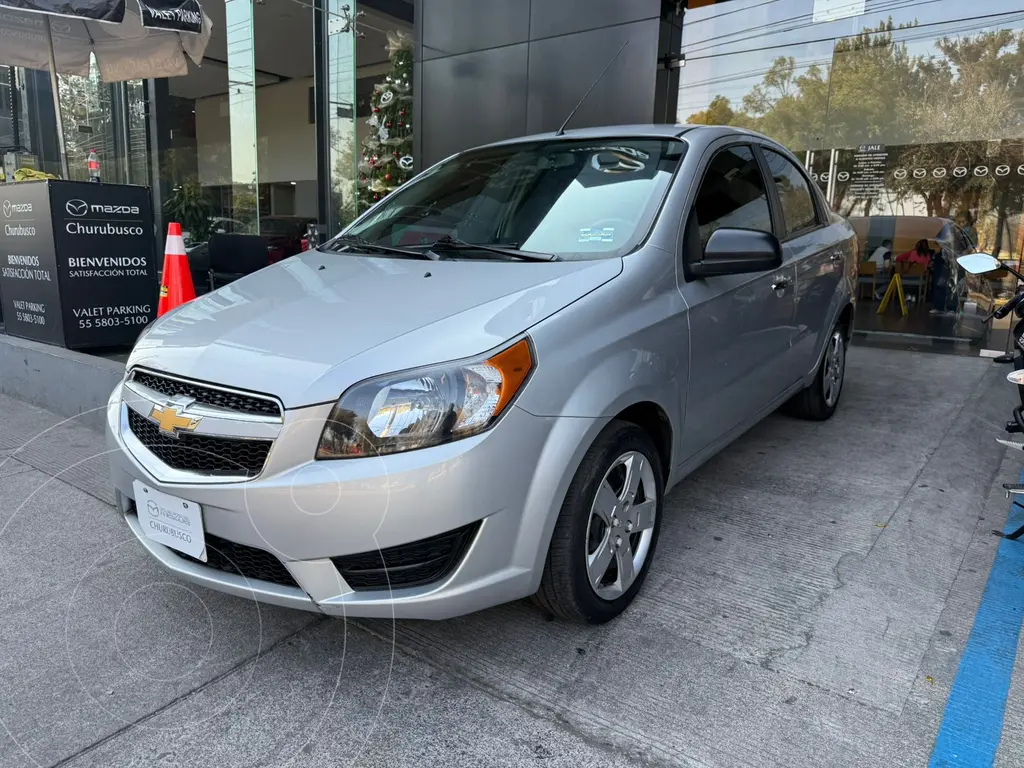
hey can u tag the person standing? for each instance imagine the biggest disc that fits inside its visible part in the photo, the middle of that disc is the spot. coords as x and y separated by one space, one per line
940 284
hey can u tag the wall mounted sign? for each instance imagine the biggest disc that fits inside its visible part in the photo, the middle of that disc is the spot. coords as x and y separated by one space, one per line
867 176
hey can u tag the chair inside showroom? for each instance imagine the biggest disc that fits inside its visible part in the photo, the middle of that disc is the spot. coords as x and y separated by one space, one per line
234 256
915 278
868 282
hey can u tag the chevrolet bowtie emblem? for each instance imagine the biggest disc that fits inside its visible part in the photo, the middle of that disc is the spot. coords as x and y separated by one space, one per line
171 422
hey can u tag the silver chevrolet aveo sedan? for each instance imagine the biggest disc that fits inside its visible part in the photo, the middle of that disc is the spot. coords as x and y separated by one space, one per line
483 388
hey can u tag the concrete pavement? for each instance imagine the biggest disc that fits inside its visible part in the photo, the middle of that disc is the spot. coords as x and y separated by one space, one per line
812 594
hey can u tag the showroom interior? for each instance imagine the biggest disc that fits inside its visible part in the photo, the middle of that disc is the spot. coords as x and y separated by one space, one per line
908 114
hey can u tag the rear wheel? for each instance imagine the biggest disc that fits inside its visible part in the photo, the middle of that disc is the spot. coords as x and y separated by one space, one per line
606 532
820 400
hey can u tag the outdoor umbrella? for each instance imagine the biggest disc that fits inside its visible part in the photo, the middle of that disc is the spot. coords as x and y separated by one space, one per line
131 40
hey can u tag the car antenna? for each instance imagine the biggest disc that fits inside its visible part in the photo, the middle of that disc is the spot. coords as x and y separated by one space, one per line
561 129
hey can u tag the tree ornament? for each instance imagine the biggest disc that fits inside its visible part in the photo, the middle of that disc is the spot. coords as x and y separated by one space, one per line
383 133
387 177
386 98
373 120
401 112
376 109
405 162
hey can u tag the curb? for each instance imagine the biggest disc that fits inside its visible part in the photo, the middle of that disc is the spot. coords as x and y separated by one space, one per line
60 380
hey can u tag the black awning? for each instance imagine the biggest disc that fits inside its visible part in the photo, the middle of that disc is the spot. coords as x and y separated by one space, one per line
174 15
97 10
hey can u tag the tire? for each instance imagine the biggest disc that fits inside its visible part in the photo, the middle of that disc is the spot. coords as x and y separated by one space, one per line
587 530
819 401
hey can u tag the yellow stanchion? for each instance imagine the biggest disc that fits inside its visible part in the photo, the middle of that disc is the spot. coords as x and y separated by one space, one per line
895 287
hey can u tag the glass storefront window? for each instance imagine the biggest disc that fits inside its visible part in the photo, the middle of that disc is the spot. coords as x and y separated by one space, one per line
264 138
910 117
241 99
106 117
98 116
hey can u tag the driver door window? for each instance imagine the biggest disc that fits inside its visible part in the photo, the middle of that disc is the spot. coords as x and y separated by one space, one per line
732 194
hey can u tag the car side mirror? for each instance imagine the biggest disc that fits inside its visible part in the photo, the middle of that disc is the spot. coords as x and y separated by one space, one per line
738 252
979 263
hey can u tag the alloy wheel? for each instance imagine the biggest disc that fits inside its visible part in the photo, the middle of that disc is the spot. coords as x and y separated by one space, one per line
835 364
621 525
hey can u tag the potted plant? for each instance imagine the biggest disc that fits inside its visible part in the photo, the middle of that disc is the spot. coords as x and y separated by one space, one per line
189 206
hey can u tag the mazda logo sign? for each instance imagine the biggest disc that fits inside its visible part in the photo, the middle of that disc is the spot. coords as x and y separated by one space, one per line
7 208
77 207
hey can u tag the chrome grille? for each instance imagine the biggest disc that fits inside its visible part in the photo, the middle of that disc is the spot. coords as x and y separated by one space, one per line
240 402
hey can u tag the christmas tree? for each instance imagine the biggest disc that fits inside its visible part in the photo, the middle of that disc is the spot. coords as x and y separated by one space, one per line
387 151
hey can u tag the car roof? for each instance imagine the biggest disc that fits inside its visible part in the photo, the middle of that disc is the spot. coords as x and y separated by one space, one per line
695 134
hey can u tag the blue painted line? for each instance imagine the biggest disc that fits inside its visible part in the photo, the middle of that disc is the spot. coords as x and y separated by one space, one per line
973 720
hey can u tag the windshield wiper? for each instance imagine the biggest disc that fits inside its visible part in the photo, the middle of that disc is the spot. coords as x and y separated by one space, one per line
450 243
354 241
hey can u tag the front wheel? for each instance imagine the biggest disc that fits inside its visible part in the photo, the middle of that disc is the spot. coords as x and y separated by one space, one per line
607 529
820 400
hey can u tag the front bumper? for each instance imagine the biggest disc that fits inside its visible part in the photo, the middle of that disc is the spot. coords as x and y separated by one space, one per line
510 480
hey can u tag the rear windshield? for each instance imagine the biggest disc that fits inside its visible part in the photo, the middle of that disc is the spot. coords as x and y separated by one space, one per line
577 199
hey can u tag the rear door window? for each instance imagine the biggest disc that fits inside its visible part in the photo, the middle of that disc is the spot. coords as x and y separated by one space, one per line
794 193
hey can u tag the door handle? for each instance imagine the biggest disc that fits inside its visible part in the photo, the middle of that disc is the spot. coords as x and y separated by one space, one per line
780 284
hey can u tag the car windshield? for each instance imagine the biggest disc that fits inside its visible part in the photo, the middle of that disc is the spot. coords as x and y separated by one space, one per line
575 199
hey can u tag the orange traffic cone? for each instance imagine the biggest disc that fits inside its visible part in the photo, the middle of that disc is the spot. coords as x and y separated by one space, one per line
176 285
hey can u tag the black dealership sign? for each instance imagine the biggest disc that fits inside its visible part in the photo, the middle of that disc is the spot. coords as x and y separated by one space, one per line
179 15
77 262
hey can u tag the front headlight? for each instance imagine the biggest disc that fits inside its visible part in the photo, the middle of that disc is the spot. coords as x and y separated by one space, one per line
418 409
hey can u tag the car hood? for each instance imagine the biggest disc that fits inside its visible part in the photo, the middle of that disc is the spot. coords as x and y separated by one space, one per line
308 327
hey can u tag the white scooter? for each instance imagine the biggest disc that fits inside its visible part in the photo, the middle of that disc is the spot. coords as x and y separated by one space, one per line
977 264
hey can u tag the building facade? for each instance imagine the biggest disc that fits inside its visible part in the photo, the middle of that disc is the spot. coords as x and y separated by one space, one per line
908 113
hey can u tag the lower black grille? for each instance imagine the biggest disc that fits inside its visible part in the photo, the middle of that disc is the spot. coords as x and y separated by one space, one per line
240 559
243 560
201 453
407 565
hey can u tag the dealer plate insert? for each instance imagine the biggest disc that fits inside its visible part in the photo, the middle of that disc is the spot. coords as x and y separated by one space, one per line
169 520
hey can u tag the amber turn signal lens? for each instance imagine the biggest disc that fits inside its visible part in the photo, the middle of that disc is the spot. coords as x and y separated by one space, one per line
515 364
